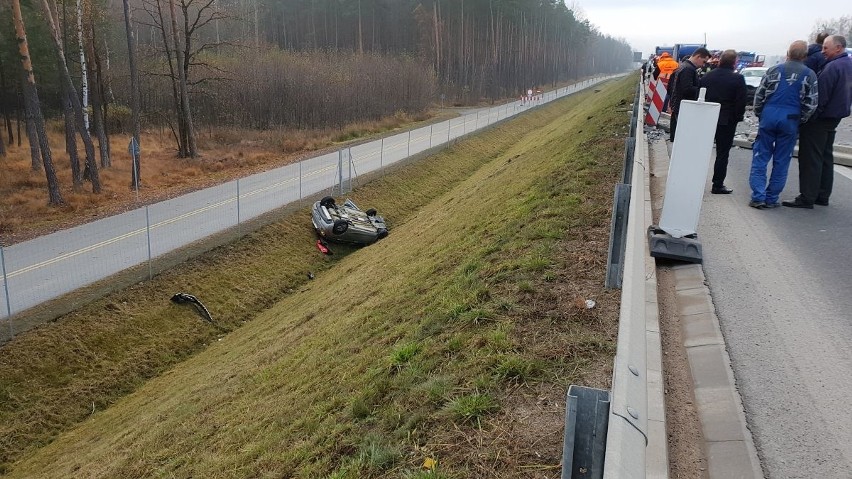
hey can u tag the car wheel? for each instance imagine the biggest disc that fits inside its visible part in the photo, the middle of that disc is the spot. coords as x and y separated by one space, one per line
382 233
340 227
328 202
371 212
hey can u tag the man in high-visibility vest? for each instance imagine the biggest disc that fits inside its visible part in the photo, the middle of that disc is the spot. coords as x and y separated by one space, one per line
666 66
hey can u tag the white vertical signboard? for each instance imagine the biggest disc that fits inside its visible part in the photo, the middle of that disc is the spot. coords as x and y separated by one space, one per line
690 163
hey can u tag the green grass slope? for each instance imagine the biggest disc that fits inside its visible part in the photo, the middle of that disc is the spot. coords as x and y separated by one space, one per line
453 340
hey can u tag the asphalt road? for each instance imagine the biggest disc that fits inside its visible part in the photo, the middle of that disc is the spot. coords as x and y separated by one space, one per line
781 282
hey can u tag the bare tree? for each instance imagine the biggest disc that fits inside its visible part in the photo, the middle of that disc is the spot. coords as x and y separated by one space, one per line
184 93
134 93
33 106
91 165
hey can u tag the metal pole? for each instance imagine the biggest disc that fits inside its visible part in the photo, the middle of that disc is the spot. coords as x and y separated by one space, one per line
300 183
136 178
148 230
430 137
238 206
349 153
382 154
409 144
340 172
6 290
448 132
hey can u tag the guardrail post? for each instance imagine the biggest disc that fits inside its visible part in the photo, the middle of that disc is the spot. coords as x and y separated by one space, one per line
300 183
430 137
617 236
584 442
238 207
382 154
409 144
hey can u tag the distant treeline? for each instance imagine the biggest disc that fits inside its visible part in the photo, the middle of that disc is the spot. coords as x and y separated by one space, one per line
307 63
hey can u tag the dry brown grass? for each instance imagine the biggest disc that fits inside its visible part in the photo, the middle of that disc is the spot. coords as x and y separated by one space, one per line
226 154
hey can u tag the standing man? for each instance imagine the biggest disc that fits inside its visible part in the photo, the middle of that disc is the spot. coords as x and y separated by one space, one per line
816 59
816 137
786 96
728 88
685 84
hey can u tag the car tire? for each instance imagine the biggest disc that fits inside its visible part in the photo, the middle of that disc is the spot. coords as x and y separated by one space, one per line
371 212
382 233
328 202
340 227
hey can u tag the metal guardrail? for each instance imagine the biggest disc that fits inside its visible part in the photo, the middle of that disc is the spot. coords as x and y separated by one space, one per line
626 434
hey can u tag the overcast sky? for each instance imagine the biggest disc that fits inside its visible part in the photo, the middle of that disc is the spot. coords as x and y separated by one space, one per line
763 26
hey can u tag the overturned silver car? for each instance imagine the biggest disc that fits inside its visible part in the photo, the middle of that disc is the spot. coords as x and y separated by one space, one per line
347 223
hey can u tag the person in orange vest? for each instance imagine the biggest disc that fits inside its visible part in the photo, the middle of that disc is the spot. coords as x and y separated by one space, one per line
666 66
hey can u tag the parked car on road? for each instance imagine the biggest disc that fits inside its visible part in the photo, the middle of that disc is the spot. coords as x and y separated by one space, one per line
752 77
347 223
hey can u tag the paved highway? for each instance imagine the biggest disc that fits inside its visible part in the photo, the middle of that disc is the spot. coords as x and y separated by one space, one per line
781 281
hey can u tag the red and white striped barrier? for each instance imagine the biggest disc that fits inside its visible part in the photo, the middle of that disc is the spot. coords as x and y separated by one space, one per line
656 105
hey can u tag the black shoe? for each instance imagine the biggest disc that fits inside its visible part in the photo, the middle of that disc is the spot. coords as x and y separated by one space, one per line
797 203
757 204
769 206
722 190
821 202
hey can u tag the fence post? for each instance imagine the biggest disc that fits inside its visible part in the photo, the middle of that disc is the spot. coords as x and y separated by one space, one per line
238 207
6 291
148 235
340 172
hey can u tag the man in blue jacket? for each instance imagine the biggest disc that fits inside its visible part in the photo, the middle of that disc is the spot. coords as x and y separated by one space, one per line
816 137
816 59
728 88
786 97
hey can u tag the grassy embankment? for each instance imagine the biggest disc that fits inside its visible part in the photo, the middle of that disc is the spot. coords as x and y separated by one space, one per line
454 339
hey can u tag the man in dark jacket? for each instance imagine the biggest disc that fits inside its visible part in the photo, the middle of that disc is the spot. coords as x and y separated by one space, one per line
727 88
684 85
816 59
816 137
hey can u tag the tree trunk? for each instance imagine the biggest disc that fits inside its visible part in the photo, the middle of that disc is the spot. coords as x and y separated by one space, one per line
91 165
71 140
134 87
32 136
33 106
84 82
180 137
5 107
186 114
95 74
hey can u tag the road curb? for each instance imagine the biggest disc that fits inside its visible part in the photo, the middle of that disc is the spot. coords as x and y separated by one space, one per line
728 443
657 455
